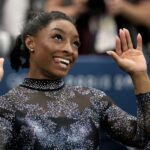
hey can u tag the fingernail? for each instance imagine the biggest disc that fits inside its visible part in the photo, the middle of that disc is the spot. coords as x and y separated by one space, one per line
109 52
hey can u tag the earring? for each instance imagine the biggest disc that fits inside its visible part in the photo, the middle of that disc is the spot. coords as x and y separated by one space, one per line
31 49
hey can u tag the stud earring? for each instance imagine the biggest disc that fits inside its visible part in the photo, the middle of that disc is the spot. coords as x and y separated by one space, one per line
31 50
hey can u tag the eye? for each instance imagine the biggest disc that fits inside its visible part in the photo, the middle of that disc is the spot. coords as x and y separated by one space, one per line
58 37
77 44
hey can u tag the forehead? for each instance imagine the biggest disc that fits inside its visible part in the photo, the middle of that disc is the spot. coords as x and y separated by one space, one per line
65 25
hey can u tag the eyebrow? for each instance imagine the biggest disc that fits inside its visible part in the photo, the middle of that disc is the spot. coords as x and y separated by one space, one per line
60 30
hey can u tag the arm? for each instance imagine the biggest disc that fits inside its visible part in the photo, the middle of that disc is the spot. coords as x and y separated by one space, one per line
6 121
132 61
123 127
137 13
4 131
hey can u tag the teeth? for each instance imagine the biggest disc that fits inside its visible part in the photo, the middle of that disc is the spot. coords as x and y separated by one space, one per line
65 61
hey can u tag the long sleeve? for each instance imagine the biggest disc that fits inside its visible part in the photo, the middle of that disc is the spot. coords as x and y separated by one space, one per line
65 117
6 116
144 109
126 128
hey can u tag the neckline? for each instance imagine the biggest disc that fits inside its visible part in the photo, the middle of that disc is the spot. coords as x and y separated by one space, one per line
43 84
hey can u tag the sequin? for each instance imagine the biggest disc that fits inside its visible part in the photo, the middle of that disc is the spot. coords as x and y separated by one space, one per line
44 114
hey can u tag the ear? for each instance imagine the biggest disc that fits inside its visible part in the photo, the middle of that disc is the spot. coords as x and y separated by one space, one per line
29 41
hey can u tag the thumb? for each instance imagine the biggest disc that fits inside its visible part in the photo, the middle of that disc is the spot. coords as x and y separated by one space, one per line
1 68
113 55
1 62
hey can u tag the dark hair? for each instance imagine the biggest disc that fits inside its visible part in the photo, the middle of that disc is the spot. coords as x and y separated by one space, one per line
19 56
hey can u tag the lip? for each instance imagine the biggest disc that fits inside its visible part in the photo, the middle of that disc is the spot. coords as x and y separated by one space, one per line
64 58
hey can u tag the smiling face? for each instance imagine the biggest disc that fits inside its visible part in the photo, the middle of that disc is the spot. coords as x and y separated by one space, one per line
55 50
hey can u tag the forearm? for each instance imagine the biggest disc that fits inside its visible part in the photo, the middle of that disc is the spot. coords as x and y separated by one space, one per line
141 83
137 13
143 102
125 128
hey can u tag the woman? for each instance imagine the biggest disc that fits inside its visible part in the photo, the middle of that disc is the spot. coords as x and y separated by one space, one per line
43 113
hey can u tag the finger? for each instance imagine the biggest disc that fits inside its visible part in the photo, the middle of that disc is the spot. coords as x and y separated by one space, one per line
123 40
114 56
128 37
139 42
118 46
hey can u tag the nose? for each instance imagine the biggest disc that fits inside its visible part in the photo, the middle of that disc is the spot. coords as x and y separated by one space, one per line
68 48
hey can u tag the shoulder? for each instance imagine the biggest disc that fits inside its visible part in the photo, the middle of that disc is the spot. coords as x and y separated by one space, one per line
6 103
8 99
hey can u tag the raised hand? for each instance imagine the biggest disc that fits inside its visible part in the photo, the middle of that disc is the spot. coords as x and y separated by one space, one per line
130 59
1 68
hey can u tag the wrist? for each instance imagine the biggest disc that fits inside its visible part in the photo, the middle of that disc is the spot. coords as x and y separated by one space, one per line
141 82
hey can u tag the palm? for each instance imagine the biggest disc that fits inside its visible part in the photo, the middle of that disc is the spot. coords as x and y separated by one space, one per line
133 61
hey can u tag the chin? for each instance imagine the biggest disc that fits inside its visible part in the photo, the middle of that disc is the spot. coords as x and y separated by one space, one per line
60 74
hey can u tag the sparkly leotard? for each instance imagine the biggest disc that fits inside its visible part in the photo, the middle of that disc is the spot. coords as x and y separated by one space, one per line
47 115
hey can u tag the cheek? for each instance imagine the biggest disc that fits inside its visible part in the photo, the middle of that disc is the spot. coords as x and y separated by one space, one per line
43 45
42 56
75 55
44 50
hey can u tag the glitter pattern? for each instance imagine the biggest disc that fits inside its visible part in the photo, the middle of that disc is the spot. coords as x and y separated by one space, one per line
44 114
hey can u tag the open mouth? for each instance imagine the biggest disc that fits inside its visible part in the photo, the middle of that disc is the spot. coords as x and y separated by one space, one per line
62 61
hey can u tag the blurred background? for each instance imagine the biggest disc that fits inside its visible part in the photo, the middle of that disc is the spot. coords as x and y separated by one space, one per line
98 23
